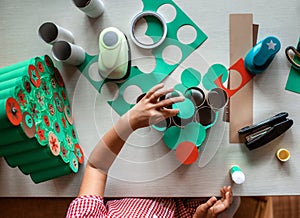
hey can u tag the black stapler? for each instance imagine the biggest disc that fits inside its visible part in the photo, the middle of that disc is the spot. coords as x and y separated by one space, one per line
265 131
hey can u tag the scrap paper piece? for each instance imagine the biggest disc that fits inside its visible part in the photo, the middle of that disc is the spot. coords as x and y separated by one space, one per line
241 104
294 78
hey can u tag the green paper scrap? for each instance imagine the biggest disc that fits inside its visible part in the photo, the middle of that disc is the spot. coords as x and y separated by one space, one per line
212 74
164 69
293 82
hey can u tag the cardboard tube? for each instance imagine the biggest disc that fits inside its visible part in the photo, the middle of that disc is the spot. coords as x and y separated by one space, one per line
14 74
19 147
10 83
33 156
42 166
68 53
55 172
12 135
10 92
16 66
51 33
92 8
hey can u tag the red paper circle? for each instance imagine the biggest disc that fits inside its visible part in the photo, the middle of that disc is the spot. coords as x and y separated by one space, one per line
187 152
13 111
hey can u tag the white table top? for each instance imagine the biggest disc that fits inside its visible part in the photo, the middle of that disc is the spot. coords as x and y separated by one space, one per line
146 167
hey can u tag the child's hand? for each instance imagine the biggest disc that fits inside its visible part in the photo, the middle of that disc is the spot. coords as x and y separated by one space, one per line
149 110
214 207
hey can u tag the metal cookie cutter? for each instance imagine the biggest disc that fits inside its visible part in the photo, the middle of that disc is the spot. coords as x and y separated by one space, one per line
145 14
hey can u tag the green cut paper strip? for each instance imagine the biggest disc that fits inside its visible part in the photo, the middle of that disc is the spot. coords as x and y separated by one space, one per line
33 156
19 147
190 77
186 108
294 77
51 173
16 66
42 166
12 135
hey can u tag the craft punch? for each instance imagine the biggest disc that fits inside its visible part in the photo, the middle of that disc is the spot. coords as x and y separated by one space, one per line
114 61
262 54
265 131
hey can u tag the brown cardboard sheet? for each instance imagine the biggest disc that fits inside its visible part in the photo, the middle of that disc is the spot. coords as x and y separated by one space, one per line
241 104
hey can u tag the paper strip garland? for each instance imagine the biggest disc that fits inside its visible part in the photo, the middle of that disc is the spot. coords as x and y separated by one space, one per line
36 131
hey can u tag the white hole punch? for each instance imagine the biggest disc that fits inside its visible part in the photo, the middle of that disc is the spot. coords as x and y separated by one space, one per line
145 14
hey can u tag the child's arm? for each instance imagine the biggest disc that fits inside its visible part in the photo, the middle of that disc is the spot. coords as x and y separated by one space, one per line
146 112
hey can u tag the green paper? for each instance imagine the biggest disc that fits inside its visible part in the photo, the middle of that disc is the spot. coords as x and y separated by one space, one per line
190 77
172 137
195 133
294 78
186 108
212 74
150 79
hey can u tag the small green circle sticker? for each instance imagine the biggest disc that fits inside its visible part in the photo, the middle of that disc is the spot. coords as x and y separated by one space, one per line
29 120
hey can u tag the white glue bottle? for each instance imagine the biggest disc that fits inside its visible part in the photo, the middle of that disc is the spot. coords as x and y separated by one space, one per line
237 174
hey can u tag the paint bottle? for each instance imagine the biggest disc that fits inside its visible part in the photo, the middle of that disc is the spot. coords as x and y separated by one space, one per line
237 174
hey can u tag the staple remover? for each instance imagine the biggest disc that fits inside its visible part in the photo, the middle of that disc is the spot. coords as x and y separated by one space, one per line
265 131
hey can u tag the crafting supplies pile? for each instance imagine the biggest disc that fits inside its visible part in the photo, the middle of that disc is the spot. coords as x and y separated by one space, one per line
37 132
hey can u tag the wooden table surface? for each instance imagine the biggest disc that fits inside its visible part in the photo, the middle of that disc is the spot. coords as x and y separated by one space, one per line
145 166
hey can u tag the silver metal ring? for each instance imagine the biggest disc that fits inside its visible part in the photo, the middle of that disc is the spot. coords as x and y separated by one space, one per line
144 14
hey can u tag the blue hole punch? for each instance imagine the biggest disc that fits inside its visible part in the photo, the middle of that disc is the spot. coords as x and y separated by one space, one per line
262 54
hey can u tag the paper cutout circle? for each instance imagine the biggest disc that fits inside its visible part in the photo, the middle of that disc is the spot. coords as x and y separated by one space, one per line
186 108
40 67
73 162
190 77
187 152
28 125
171 137
58 102
54 144
68 114
79 153
187 34
168 11
13 111
195 132
64 154
34 76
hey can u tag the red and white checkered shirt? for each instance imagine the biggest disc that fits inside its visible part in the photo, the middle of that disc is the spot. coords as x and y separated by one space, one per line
94 206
